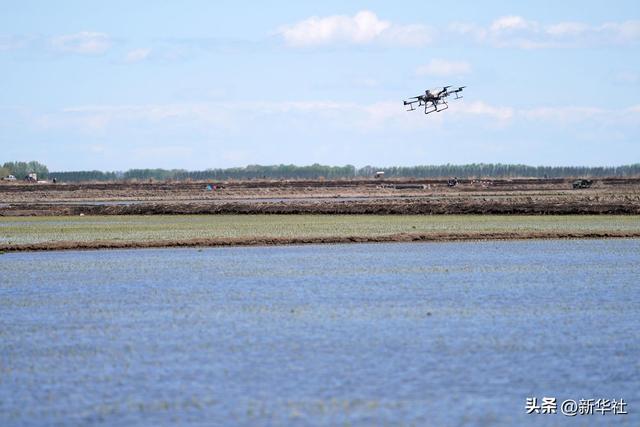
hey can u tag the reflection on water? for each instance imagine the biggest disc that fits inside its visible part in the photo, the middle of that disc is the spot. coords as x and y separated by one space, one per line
413 334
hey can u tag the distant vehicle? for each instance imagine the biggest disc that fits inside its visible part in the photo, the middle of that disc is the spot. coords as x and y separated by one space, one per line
582 183
9 178
379 174
434 97
32 177
452 182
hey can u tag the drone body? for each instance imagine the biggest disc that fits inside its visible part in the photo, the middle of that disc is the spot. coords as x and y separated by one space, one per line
433 98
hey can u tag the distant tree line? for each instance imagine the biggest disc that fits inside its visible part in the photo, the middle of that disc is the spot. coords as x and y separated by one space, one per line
22 169
78 176
316 171
248 172
498 170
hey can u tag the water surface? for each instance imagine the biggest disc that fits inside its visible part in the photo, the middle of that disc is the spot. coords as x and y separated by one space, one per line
402 334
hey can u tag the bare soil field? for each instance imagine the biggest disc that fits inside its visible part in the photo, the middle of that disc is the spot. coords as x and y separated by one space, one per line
357 196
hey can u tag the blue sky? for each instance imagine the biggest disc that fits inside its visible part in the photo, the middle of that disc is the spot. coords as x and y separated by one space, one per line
198 84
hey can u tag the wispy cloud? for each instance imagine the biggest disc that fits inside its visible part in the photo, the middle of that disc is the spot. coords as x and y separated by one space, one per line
480 108
519 32
443 68
137 55
627 77
567 29
365 117
363 28
568 115
563 114
85 42
100 117
11 42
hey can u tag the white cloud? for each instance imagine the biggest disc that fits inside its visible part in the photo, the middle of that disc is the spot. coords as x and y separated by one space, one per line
518 32
407 35
85 42
466 29
511 23
567 29
137 55
444 68
480 108
622 32
362 28
515 31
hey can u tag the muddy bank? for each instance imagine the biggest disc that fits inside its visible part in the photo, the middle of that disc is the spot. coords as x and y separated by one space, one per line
524 206
272 241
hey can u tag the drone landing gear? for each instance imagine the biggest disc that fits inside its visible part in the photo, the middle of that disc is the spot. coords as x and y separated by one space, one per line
430 107
433 108
411 106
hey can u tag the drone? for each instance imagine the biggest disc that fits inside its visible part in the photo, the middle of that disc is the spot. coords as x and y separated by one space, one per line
433 98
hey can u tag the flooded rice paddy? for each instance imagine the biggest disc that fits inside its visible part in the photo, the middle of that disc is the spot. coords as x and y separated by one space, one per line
371 334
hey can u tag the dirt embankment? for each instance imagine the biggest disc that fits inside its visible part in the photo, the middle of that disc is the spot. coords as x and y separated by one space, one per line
275 241
381 207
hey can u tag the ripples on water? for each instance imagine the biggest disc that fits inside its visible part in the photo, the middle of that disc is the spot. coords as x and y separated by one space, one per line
410 334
